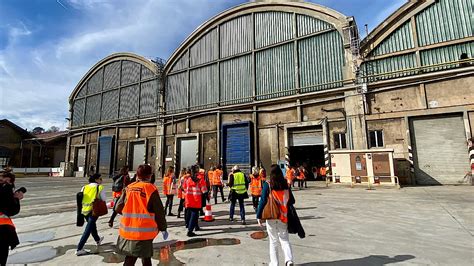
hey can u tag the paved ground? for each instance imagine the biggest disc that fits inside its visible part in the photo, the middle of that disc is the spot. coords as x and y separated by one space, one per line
344 226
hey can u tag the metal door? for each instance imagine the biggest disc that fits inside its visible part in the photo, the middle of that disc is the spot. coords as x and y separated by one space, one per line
138 154
237 146
440 150
306 138
187 152
381 164
105 155
80 159
358 164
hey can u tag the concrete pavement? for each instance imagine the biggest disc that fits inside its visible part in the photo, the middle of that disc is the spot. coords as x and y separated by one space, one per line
344 226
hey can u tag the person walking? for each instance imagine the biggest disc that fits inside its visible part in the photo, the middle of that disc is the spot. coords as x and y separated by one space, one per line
290 173
218 184
9 206
169 189
182 176
238 188
277 229
91 191
255 186
301 177
120 182
143 217
322 172
194 190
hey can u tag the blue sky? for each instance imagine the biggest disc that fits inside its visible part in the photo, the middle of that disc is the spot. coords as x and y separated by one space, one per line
46 46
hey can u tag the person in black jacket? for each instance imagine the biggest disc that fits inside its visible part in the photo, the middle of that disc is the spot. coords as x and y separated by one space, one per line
9 206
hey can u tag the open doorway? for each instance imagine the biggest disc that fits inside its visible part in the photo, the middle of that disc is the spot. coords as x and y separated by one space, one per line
306 148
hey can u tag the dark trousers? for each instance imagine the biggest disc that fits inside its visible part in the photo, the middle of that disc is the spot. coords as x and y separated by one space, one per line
181 205
255 200
169 203
91 228
300 183
130 261
193 216
215 189
4 249
241 205
114 213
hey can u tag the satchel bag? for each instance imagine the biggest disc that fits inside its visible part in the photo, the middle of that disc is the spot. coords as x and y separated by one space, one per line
99 207
271 211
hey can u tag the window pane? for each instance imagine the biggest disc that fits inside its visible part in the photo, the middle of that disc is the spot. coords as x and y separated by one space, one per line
380 138
343 141
337 144
372 139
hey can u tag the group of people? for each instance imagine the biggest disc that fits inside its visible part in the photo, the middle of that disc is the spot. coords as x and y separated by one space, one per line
143 215
300 174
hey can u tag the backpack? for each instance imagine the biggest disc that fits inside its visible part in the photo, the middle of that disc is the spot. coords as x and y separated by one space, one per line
117 186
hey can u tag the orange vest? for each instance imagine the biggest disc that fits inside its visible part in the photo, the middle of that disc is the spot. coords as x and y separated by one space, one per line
217 177
322 171
137 222
180 187
301 175
193 193
289 175
255 185
168 186
282 197
210 176
6 220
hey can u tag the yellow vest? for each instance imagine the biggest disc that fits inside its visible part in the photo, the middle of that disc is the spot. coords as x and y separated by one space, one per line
90 194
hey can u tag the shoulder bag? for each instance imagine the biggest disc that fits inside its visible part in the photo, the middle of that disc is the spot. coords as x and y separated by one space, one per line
271 211
99 207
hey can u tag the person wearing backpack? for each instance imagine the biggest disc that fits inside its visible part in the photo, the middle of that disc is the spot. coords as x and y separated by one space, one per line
120 182
277 190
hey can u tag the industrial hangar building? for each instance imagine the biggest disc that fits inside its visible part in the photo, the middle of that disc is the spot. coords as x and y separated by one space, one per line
270 81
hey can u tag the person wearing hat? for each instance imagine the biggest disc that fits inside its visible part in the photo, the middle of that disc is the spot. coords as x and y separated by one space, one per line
90 191
238 184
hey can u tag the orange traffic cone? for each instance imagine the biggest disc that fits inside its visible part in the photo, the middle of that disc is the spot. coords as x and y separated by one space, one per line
110 205
208 213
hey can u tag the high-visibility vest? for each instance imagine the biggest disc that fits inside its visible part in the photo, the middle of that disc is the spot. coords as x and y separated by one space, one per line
322 171
301 175
180 186
239 183
282 197
90 194
137 222
168 187
218 177
5 220
255 185
193 193
289 175
210 176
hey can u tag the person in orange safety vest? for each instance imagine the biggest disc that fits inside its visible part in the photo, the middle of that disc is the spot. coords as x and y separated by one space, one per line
194 189
182 177
143 217
290 174
255 186
217 183
169 189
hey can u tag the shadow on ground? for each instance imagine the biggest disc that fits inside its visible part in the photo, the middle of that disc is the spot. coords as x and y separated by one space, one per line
372 260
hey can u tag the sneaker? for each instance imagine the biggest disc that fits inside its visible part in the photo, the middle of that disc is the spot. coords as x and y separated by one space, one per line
111 224
197 228
231 219
191 234
171 214
100 241
243 222
81 252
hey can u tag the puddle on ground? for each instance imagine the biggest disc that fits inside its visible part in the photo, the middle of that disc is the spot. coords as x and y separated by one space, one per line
259 235
36 237
164 251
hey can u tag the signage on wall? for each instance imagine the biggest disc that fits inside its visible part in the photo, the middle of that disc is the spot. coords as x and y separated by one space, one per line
168 159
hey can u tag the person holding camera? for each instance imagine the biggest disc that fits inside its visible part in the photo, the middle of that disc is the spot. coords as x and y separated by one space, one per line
9 206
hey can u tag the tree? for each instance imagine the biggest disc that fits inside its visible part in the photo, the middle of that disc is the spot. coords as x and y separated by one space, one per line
53 129
37 130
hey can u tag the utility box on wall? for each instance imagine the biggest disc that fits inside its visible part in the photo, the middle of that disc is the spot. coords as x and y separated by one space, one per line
374 166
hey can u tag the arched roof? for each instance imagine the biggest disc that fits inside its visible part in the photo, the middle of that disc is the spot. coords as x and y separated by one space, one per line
107 60
336 19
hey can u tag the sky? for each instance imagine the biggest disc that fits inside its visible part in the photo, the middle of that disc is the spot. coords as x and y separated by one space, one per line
47 46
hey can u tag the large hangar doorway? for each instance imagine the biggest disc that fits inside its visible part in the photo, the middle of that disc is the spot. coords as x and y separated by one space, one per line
440 150
306 148
138 154
186 152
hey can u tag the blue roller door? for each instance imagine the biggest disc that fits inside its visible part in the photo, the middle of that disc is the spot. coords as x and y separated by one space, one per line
105 155
237 146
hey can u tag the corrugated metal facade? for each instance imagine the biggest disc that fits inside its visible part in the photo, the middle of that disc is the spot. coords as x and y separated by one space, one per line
205 49
401 39
275 72
273 27
181 63
236 36
236 80
308 25
390 64
321 60
116 77
204 87
273 69
446 54
445 20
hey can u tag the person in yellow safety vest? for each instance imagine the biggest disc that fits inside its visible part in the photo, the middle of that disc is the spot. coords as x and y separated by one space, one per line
238 191
90 192
169 189
9 206
143 217
218 183
255 186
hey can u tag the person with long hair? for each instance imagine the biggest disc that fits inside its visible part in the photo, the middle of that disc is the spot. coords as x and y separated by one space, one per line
194 189
182 177
277 229
120 182
169 189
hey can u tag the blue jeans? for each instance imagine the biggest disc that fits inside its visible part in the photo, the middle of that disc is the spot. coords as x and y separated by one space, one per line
193 214
242 208
91 228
